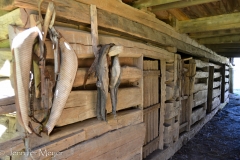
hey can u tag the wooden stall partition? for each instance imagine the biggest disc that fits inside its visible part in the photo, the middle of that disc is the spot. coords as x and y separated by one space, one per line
151 105
173 101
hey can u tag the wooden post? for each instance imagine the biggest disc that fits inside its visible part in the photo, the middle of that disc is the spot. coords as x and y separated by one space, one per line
94 29
223 83
231 75
162 100
210 89
191 74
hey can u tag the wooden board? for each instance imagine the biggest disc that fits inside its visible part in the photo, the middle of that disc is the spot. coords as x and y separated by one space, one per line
216 92
200 97
216 84
171 110
215 103
226 86
162 99
129 74
217 75
201 64
64 137
200 74
171 134
81 105
200 87
198 114
150 147
150 118
112 144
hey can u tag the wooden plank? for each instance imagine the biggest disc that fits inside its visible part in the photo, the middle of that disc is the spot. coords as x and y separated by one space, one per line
200 97
7 101
200 87
151 73
200 74
19 17
198 114
216 84
129 74
7 109
223 73
153 144
86 130
215 102
169 76
226 86
201 64
180 4
217 75
149 3
191 74
213 23
75 111
220 39
152 108
226 73
216 92
218 33
12 145
215 65
162 99
171 110
210 89
116 143
105 21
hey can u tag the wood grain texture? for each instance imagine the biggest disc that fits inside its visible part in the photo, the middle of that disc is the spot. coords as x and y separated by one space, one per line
81 105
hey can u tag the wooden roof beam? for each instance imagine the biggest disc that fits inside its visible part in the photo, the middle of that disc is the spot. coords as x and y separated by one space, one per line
180 4
215 33
220 40
226 45
230 54
149 3
214 23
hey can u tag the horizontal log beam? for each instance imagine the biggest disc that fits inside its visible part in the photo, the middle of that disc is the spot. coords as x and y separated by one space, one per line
226 21
225 45
220 40
75 112
181 4
230 55
214 33
128 23
149 3
227 50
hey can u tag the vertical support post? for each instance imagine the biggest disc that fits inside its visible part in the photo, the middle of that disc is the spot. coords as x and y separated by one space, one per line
231 75
162 100
94 29
223 83
191 75
210 89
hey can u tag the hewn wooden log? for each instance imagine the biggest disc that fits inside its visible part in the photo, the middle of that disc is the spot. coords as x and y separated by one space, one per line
67 136
18 17
5 109
123 25
216 84
215 102
12 145
7 101
171 110
171 133
200 74
217 74
110 145
215 66
201 64
216 92
169 76
226 86
198 114
200 97
200 87
129 74
81 105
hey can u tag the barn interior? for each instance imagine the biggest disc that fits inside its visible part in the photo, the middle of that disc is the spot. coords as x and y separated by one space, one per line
178 64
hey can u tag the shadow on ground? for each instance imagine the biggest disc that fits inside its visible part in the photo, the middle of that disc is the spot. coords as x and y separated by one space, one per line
219 139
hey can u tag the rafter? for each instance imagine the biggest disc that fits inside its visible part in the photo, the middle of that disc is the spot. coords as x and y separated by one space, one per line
230 54
227 45
220 40
149 3
180 4
214 23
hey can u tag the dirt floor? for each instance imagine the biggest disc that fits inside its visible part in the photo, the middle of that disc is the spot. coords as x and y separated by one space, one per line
219 139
